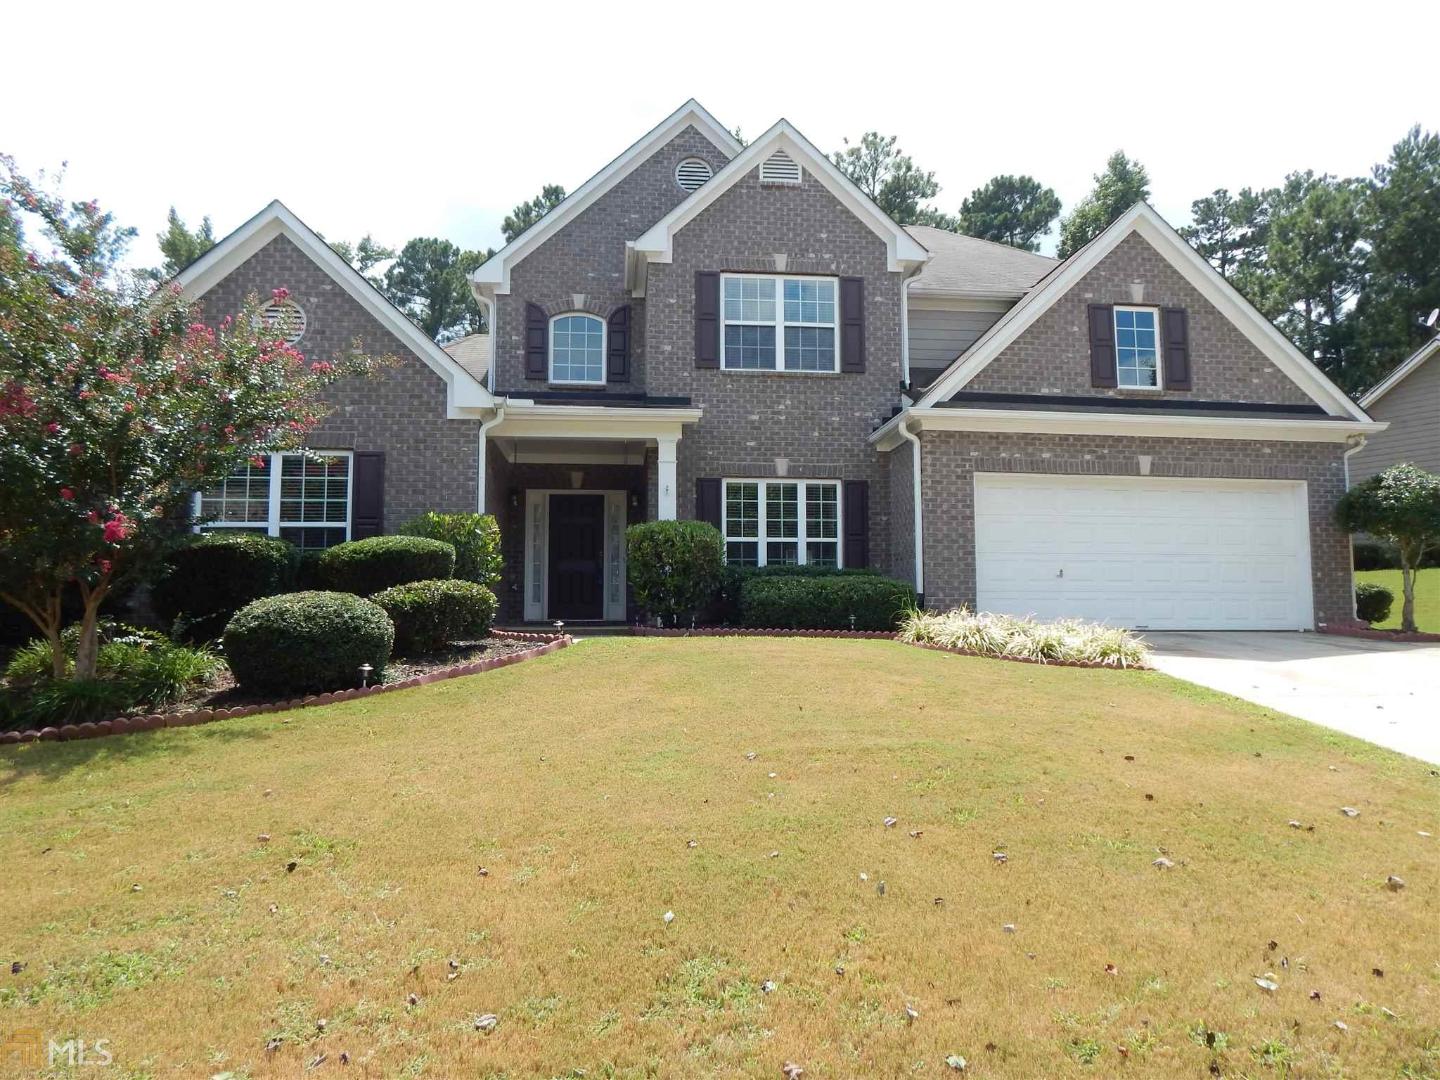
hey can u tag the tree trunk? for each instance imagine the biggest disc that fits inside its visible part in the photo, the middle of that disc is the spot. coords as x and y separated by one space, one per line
1407 584
45 614
87 649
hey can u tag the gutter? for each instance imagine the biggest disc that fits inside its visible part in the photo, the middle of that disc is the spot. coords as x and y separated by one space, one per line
903 429
485 427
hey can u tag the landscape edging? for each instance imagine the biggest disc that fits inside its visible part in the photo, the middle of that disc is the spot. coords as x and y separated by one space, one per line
1363 630
125 725
889 635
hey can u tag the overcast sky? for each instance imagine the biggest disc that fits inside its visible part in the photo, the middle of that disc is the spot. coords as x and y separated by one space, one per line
424 119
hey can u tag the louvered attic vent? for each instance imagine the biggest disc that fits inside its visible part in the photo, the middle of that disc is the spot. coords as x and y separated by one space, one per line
692 172
780 168
285 318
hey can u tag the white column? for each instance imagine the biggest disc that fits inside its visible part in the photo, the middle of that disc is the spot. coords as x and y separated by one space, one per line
666 478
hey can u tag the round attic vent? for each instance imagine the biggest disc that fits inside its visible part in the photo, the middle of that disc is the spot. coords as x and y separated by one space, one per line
692 172
285 318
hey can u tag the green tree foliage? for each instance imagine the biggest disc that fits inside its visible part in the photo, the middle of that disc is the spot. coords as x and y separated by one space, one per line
1123 183
116 404
428 282
1402 227
896 184
528 213
365 256
1230 230
181 246
1014 210
1401 505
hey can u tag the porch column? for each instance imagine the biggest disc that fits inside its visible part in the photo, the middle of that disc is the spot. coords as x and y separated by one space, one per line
666 478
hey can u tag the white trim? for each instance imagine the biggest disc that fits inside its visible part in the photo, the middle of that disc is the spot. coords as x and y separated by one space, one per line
916 493
550 348
536 578
657 243
1155 314
801 537
779 322
273 525
690 163
931 300
494 273
1402 370
1114 423
526 419
462 390
1206 280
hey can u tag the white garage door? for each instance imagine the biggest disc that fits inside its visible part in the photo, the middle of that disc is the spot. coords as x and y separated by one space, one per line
1150 552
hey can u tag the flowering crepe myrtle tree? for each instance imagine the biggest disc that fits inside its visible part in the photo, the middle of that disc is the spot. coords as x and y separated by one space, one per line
1400 505
118 403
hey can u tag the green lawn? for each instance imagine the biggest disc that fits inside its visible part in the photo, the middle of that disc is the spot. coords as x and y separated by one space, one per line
1427 596
148 909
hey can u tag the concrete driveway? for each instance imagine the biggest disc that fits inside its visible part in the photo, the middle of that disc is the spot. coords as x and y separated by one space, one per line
1382 691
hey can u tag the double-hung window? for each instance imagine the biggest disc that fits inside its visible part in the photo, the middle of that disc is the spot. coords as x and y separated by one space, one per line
577 350
774 323
1137 348
782 522
303 498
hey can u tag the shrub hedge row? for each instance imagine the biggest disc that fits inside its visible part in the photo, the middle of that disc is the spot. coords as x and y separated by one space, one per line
308 642
834 601
427 614
366 566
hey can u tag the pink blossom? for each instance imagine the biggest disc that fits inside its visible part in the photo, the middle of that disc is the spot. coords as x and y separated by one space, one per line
67 494
52 427
104 565
93 517
280 294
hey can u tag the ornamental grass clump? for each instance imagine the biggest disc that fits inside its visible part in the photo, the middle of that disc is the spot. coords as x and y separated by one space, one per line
1066 640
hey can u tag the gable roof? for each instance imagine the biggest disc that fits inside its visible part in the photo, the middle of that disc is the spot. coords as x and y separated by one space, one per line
1142 219
495 271
472 352
968 267
462 390
657 243
1401 372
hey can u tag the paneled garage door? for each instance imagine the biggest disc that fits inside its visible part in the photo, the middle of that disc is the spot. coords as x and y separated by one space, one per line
1150 552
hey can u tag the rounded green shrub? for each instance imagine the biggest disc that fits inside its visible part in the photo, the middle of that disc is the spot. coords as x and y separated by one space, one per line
307 642
675 567
824 602
205 582
427 614
366 566
1373 602
475 537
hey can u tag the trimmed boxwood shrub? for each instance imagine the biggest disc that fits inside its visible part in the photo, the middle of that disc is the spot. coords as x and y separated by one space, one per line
366 566
475 537
427 614
675 567
1372 602
307 642
205 582
824 602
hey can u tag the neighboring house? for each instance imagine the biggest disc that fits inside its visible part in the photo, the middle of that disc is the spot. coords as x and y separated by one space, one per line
737 334
1408 399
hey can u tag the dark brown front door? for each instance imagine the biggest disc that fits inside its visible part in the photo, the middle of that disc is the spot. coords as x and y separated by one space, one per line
577 556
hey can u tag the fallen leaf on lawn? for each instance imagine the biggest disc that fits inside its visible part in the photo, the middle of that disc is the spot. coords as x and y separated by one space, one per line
1268 985
454 964
668 917
911 1013
1349 811
1295 825
774 854
487 1022
1389 1014
915 834
956 1062
483 871
773 775
839 969
1163 863
316 1061
344 1057
1394 884
1271 946
321 1024
864 876
939 900
1314 995
1379 973
890 822
880 887
1123 1051
135 887
263 838
17 967
1149 797
1340 1025
692 843
750 756
999 856
791 1071
412 1000
290 866
1129 757
273 1045
767 987
1111 969
1009 928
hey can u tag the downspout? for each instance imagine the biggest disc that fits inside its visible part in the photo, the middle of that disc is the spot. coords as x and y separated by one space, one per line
485 427
1357 443
909 436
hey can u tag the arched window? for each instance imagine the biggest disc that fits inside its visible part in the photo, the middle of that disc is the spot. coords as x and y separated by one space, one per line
577 349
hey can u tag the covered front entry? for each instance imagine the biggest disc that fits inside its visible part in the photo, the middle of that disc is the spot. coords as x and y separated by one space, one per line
1161 553
575 555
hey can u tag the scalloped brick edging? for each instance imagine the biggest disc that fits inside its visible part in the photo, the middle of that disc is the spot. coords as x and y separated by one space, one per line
742 631
126 725
1363 630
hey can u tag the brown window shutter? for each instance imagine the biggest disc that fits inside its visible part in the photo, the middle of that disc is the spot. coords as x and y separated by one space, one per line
852 324
617 351
367 494
857 524
707 500
1177 349
707 319
537 342
1102 345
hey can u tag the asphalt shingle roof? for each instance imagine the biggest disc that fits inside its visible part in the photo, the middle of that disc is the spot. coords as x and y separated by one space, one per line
965 264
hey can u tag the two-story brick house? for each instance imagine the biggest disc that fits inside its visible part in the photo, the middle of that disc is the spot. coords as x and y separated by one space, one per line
738 334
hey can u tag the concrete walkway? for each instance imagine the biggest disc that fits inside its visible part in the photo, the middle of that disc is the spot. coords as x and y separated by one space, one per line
1385 692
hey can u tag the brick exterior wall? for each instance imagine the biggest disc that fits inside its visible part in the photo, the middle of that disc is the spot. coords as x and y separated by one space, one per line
900 469
951 458
817 424
430 462
587 257
1053 355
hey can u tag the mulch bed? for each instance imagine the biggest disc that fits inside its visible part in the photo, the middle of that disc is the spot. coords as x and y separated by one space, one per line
224 694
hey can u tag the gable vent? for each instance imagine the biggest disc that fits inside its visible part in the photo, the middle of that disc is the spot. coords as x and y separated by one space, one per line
692 172
780 168
283 317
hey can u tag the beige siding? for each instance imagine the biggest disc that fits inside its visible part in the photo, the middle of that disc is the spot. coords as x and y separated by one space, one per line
1412 408
938 336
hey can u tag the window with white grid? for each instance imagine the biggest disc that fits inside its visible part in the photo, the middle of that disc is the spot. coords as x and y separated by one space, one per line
782 522
773 323
300 497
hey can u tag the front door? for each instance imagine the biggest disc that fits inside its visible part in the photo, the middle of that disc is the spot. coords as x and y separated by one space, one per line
577 556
